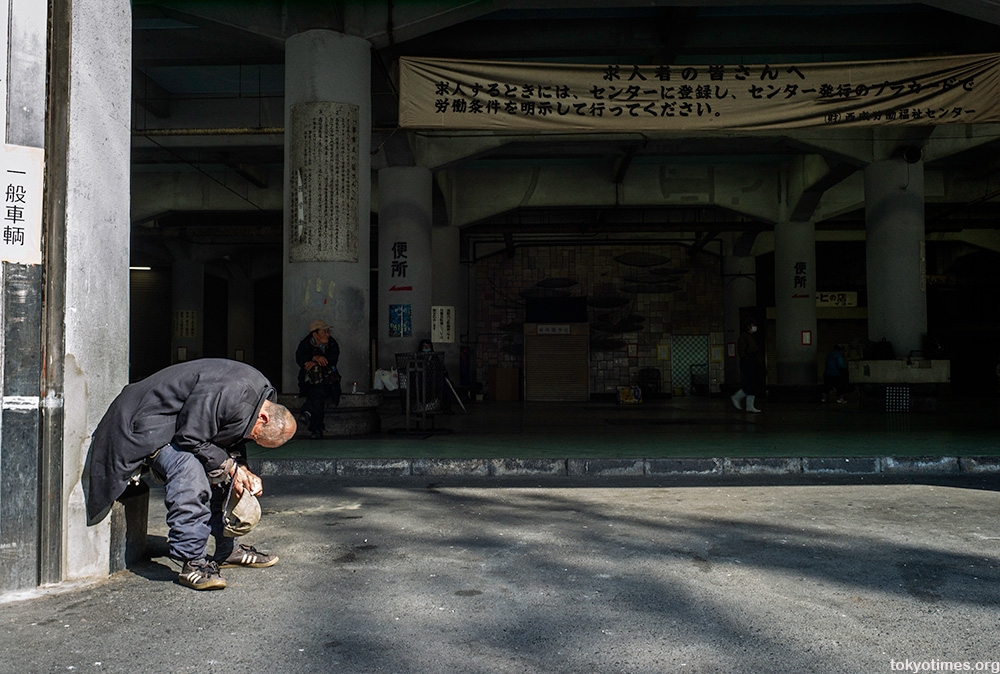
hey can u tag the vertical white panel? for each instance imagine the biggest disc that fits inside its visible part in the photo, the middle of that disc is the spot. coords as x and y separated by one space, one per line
4 75
27 44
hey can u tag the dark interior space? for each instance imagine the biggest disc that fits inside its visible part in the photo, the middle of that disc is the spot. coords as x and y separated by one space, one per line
267 327
149 322
216 317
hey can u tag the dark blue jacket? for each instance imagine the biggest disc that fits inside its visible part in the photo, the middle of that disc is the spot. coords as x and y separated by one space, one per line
836 366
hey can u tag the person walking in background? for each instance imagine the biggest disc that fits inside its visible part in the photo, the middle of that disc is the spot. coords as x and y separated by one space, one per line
751 368
319 379
835 375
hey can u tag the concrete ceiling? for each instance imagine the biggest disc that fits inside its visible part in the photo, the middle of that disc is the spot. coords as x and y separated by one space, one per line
208 112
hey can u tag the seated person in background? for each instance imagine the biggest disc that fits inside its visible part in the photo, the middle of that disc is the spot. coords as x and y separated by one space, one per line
317 356
444 402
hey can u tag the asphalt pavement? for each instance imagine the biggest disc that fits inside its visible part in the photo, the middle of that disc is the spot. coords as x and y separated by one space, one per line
418 574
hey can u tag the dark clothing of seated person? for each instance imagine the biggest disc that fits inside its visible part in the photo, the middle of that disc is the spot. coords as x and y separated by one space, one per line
319 379
438 379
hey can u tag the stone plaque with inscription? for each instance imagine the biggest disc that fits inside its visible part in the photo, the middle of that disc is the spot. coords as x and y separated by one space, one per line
323 175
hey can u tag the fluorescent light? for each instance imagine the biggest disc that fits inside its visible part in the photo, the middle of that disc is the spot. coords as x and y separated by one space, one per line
140 268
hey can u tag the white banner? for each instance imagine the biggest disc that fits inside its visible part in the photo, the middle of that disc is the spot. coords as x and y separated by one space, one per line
488 95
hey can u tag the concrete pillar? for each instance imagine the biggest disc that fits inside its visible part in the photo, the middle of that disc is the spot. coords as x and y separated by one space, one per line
187 296
795 302
22 512
894 220
404 261
93 101
327 197
739 289
451 290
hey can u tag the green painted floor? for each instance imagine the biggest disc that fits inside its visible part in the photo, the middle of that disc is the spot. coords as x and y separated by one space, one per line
680 427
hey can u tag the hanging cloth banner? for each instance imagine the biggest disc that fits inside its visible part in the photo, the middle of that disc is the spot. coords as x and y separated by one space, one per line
497 95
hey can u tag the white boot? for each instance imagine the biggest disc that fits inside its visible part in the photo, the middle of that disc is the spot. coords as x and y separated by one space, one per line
750 407
737 399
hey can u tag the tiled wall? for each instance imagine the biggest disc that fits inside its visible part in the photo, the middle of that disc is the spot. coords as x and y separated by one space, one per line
694 309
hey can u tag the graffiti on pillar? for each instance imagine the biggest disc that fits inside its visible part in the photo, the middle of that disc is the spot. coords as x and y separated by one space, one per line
400 320
799 280
318 292
323 182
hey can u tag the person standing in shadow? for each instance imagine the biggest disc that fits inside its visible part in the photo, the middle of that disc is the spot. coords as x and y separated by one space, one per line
835 375
751 368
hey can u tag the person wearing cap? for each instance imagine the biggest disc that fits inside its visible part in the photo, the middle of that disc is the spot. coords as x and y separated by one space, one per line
317 356
751 368
187 425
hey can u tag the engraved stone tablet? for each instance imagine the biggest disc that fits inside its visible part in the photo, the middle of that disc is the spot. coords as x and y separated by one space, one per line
323 182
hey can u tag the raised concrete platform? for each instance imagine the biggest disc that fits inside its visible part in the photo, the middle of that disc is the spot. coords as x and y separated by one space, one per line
500 468
357 414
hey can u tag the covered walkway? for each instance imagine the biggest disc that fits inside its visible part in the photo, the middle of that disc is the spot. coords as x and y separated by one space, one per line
685 427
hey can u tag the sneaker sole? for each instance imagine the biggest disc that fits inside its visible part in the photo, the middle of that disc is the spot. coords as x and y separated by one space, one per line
258 565
217 584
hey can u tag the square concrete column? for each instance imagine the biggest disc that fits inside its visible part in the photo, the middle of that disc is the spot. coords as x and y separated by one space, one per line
93 151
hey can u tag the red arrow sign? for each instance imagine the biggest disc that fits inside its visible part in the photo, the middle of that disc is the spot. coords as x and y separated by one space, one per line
400 288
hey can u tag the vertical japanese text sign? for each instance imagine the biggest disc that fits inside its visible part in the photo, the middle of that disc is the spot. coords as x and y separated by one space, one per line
442 324
21 231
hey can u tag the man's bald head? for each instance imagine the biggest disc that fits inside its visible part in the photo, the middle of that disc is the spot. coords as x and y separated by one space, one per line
275 425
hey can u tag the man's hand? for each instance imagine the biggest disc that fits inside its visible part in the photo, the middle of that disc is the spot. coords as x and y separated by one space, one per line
315 362
244 479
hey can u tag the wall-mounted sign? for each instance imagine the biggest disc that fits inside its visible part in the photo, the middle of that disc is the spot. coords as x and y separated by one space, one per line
442 325
400 320
21 232
323 182
185 324
837 299
550 329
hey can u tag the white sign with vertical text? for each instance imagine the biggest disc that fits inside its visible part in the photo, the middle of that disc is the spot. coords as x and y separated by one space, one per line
21 230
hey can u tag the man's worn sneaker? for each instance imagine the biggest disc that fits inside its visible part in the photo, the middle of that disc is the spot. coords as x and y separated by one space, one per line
201 574
247 555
